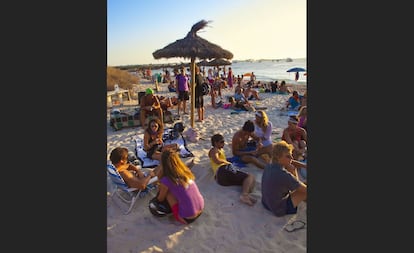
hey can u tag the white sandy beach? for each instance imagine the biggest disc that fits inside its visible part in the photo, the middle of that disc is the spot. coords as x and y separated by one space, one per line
226 224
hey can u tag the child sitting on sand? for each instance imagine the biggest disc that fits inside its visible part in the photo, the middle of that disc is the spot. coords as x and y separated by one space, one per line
225 174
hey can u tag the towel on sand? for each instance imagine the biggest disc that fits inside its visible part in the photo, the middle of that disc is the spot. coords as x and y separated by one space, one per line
147 162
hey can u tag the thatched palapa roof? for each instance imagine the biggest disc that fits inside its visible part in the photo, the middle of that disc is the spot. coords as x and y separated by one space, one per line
193 46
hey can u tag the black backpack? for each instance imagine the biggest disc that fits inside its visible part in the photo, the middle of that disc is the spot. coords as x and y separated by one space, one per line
179 127
205 89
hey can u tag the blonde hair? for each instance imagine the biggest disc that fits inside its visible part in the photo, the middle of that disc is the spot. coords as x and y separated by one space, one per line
302 111
279 149
265 120
174 168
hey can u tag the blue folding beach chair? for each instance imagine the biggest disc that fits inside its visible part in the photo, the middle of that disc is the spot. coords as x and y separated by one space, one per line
124 192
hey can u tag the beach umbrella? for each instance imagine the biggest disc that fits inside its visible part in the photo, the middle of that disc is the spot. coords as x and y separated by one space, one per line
192 46
203 63
296 69
219 62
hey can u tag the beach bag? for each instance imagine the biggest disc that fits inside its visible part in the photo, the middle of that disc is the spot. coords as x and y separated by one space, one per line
179 127
132 158
205 89
158 208
192 135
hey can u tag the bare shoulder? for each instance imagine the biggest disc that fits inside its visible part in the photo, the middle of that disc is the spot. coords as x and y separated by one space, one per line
236 135
212 152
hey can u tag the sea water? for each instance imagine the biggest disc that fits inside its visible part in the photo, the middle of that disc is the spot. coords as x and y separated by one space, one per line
271 70
266 70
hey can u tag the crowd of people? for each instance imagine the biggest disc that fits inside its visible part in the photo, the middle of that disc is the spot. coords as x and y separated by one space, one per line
281 187
217 79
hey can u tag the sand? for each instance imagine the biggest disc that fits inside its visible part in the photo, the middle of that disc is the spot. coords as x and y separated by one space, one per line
226 225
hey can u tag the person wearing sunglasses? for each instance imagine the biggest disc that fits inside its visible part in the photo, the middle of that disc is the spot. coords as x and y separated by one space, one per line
226 174
297 136
282 189
153 142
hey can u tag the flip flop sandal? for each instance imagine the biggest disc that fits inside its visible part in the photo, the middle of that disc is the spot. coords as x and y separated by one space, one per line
296 225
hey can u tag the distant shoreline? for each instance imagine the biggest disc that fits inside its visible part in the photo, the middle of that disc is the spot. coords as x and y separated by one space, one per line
176 64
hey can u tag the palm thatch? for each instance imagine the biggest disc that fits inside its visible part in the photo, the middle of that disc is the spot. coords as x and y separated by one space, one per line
203 63
193 46
219 62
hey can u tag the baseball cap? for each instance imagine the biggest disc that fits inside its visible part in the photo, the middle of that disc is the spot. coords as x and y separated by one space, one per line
149 91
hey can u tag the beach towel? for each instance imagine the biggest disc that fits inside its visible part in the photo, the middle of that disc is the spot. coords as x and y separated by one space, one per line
236 161
169 136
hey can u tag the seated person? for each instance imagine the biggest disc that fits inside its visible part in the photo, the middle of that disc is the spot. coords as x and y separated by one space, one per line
263 129
251 93
303 99
165 103
179 188
303 117
293 103
171 87
241 101
297 136
225 174
132 175
283 89
240 148
150 105
282 190
153 143
274 86
266 88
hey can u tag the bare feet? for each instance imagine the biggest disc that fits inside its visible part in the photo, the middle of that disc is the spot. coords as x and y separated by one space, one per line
253 200
246 199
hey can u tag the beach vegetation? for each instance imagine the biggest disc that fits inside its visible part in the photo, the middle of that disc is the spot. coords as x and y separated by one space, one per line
123 78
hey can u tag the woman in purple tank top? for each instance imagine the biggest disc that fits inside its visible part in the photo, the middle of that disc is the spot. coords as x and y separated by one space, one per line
178 187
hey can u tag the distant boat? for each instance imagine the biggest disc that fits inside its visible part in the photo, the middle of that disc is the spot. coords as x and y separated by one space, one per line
289 60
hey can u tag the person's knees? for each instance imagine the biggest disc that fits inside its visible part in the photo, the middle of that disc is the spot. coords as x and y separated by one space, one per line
251 177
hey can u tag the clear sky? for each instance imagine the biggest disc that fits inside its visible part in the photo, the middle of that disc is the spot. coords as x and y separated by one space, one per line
250 29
